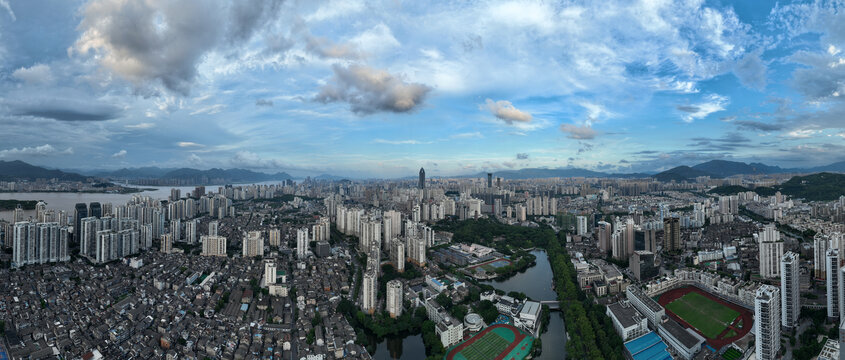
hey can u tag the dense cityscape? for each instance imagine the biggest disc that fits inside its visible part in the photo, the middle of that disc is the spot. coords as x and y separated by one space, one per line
422 180
700 269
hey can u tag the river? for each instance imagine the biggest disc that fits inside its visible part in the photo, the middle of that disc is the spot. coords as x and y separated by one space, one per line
67 200
536 283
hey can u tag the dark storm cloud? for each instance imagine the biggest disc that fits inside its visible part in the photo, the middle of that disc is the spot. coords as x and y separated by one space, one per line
65 110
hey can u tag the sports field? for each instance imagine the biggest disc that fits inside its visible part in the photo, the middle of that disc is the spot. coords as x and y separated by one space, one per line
709 317
495 342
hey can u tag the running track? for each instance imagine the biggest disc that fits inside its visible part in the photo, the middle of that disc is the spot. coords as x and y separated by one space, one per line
744 315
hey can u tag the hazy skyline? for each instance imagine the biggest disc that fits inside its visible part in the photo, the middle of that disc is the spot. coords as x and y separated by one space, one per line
383 88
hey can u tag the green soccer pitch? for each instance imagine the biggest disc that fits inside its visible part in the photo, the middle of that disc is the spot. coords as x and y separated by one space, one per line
704 314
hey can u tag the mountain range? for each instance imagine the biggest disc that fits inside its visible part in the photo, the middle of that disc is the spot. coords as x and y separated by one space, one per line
14 170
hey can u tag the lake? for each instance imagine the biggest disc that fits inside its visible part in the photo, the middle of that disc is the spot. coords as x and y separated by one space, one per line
410 347
536 283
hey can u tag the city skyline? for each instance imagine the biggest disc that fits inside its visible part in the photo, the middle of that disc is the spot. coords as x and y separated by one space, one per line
361 90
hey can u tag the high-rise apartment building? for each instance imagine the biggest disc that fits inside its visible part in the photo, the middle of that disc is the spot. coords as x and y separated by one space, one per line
269 272
832 282
369 286
771 251
275 237
39 243
213 245
767 322
394 301
397 254
166 243
212 228
671 234
582 226
789 290
253 244
191 235
301 243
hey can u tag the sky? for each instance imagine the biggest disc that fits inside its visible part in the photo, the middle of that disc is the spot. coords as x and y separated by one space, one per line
382 88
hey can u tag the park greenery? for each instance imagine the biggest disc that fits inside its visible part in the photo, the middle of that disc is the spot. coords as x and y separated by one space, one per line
13 204
591 332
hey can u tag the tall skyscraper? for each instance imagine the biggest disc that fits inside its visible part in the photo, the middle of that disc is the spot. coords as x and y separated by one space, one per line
489 180
642 265
671 234
394 299
789 290
301 243
213 245
832 282
820 246
80 212
95 210
767 318
422 178
604 232
771 251
175 194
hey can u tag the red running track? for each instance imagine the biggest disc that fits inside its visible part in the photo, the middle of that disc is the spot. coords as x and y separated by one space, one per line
745 315
518 339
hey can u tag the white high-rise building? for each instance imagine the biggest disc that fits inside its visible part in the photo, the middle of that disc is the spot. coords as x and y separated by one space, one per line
369 286
767 322
771 251
301 243
212 228
832 282
392 224
269 272
191 235
394 300
582 225
789 290
253 244
416 250
213 245
38 243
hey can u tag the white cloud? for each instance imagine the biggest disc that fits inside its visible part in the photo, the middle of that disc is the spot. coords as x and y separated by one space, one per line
584 132
711 104
120 154
189 144
5 5
400 142
140 126
43 150
504 110
468 135
209 110
37 74
802 133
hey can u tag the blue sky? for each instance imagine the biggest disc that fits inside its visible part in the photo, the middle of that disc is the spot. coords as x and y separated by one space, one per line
380 89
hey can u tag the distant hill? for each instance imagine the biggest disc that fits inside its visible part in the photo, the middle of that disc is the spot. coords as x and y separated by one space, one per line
222 175
835 167
19 170
816 187
680 173
724 168
149 172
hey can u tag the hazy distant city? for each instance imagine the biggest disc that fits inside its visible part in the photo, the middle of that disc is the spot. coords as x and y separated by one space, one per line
486 180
